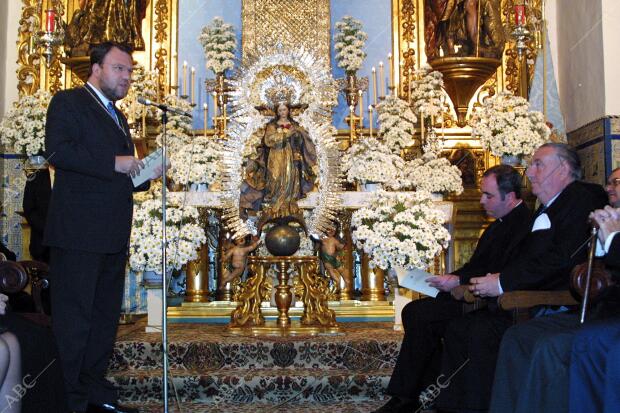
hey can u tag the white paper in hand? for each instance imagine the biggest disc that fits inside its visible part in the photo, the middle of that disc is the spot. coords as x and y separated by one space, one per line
415 280
152 161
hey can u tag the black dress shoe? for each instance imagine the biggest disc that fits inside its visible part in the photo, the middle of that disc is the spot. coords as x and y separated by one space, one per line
110 408
398 405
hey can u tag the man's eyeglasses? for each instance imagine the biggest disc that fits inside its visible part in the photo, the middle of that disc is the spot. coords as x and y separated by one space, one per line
613 182
120 68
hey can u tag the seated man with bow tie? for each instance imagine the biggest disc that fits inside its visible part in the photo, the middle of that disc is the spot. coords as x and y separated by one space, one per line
549 252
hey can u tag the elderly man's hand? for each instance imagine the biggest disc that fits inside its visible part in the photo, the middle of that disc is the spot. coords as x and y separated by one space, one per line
487 286
444 282
608 221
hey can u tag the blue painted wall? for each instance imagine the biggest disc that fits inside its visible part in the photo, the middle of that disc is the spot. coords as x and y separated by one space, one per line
376 16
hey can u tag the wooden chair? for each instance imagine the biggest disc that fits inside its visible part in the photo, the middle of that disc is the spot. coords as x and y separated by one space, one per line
15 277
521 302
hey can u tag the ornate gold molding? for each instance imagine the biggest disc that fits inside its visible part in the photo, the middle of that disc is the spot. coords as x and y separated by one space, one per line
28 56
299 24
161 24
407 26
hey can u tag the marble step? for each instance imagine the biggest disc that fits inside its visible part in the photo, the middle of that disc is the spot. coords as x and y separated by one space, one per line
256 386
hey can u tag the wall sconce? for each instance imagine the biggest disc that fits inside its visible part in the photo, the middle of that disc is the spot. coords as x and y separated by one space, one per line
51 37
520 33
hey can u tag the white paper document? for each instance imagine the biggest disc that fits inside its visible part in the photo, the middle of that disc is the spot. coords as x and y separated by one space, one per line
415 280
150 163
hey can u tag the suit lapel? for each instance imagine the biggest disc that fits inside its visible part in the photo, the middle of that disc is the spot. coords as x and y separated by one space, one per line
121 129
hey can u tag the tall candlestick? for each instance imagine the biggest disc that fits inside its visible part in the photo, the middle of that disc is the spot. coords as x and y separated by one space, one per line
361 105
391 70
401 76
382 80
184 89
205 114
174 70
214 106
352 124
192 83
224 112
374 85
144 124
422 127
370 119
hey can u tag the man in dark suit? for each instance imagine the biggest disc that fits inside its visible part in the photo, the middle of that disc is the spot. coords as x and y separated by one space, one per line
88 224
425 320
35 204
549 252
539 359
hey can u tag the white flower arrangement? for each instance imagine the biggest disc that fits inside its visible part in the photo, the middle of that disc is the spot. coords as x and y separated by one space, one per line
219 42
143 84
184 236
349 42
371 161
397 122
23 128
434 174
197 162
506 126
179 128
400 230
426 92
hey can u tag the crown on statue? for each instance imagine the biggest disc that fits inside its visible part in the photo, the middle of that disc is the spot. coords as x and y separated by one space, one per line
281 88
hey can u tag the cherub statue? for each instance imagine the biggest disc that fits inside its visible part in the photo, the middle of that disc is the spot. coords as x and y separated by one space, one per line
236 258
330 248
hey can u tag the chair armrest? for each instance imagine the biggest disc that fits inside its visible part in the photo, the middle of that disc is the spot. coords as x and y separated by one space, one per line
525 299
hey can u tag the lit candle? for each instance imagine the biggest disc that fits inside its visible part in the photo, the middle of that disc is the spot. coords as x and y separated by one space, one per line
205 115
370 118
374 85
184 89
50 20
382 80
520 13
352 124
391 71
192 83
174 72
361 105
214 105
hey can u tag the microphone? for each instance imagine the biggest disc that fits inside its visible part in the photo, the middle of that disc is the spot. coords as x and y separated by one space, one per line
164 107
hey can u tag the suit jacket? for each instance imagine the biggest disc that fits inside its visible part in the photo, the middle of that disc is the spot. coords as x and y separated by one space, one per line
91 205
498 243
548 255
36 204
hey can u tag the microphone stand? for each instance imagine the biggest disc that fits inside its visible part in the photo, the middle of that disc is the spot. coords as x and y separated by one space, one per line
164 286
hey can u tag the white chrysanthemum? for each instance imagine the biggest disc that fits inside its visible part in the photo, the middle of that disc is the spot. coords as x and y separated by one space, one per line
197 162
397 123
369 160
349 42
426 92
23 127
219 43
505 126
400 229
184 235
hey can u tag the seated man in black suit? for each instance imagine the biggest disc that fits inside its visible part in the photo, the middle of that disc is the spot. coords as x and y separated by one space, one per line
535 357
424 320
549 252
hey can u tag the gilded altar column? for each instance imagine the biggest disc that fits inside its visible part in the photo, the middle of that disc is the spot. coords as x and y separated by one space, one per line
348 262
197 271
372 281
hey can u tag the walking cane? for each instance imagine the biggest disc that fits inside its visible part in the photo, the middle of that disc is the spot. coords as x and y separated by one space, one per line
591 254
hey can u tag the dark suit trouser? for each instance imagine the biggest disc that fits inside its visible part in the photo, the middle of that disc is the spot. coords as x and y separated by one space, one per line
86 292
471 344
532 366
424 322
595 369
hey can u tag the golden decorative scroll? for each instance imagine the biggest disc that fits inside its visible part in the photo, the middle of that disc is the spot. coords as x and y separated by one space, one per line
407 23
294 24
161 36
28 56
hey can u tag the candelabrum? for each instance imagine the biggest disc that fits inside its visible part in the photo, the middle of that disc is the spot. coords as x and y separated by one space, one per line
520 33
219 89
51 37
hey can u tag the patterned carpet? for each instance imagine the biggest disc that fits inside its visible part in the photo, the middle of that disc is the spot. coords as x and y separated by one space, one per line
213 370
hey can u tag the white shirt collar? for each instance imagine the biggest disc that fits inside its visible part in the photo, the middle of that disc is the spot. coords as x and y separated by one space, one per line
100 95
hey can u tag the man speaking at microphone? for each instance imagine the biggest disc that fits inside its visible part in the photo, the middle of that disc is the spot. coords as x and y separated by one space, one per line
88 141
548 254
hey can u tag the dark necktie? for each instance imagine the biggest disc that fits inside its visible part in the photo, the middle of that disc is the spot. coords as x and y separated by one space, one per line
112 112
